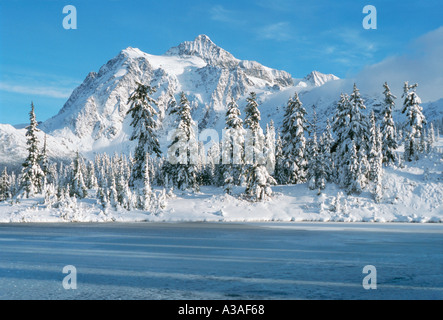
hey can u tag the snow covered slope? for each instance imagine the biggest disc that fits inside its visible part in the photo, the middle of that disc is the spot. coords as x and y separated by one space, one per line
13 148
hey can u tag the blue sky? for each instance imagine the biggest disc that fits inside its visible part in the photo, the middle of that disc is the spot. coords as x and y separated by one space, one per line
43 62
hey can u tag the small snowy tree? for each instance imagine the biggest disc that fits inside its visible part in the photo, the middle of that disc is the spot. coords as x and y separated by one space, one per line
430 139
44 162
124 194
78 186
145 198
316 166
5 185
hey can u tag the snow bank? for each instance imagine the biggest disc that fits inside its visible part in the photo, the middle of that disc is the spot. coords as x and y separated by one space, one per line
413 193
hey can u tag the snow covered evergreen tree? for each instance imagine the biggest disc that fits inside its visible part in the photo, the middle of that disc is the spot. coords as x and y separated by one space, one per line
352 130
183 151
44 162
144 125
377 166
389 139
258 179
32 173
294 141
325 144
415 122
233 142
430 139
91 179
270 147
355 178
124 194
145 198
78 186
5 186
316 174
279 172
358 123
375 147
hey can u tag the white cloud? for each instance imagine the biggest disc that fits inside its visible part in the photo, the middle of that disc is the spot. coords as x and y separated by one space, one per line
53 92
279 31
422 64
219 13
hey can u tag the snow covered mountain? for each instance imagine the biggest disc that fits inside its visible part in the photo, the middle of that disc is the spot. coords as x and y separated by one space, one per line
94 117
93 120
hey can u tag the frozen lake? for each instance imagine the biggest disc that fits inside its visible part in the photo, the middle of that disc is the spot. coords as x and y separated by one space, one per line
221 260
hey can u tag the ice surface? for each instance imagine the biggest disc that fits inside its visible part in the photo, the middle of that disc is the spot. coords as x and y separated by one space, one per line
221 260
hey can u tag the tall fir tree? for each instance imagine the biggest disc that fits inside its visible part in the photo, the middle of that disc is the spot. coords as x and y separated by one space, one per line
258 179
358 123
279 172
183 151
233 141
389 139
325 144
415 122
377 166
32 173
375 147
144 123
340 148
351 129
270 147
294 141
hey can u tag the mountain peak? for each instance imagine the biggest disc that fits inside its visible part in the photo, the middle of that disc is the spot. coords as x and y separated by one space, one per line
202 38
204 48
318 79
131 52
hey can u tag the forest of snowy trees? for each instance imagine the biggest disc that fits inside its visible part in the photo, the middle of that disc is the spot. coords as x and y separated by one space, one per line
350 151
